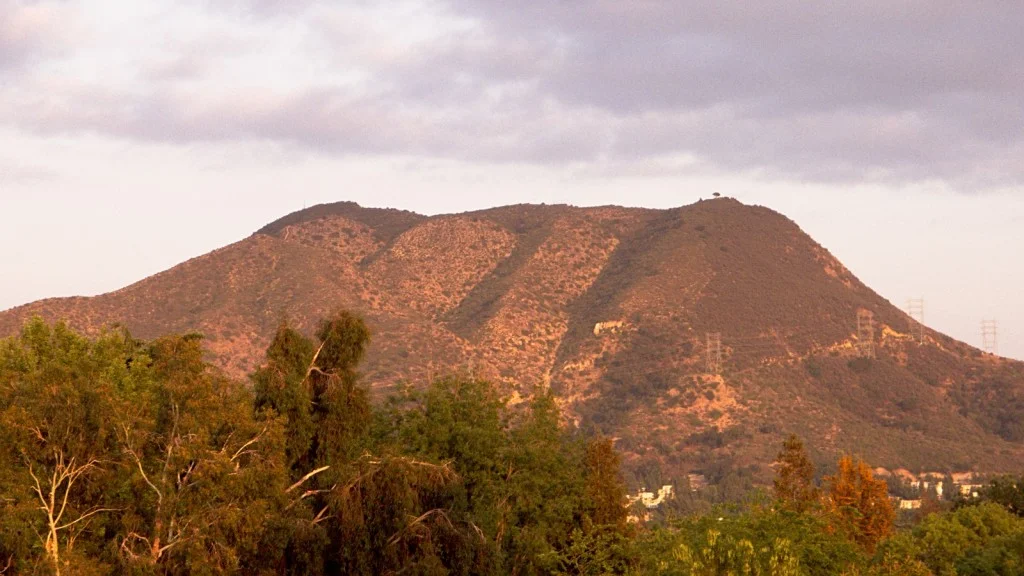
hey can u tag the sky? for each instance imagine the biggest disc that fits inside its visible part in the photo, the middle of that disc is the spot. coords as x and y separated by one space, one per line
136 135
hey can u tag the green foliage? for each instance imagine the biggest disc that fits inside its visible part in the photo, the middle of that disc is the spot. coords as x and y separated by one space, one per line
759 541
340 403
1007 491
122 456
605 490
996 401
279 386
599 552
60 395
794 476
461 420
207 475
127 457
984 539
523 476
544 485
396 514
315 386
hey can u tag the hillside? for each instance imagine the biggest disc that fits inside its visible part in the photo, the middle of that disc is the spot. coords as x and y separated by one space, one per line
516 294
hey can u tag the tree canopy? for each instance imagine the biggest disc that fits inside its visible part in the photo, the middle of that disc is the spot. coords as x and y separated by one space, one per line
121 456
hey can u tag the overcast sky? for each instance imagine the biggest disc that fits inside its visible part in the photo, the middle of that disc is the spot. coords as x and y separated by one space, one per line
135 135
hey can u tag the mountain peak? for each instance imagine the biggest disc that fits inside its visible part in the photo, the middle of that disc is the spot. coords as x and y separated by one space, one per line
614 309
386 223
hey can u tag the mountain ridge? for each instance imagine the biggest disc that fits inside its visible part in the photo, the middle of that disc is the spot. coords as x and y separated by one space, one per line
517 293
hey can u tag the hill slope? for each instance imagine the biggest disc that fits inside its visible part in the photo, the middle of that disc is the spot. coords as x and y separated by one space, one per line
517 293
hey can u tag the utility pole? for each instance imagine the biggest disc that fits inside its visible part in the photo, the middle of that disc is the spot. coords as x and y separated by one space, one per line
915 309
866 333
989 336
714 353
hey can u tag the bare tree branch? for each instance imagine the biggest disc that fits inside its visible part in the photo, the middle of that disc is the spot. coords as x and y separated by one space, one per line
312 363
418 521
305 478
321 516
87 515
54 504
138 462
249 443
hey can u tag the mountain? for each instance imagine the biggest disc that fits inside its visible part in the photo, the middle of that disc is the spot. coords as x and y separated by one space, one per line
611 307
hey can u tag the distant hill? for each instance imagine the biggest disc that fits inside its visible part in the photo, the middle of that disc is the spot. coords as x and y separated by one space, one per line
516 294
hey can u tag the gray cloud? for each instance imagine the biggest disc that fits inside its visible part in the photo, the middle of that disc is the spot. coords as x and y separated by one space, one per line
326 120
904 90
879 91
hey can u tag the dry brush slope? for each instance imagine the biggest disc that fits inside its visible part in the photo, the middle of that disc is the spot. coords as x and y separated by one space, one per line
516 292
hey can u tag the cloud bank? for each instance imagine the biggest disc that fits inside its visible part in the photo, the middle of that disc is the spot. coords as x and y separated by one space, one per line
893 92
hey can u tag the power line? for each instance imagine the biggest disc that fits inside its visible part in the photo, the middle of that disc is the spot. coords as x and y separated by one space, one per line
714 353
915 309
866 333
990 336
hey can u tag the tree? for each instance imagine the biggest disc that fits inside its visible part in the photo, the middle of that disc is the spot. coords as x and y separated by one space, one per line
340 402
1006 491
794 476
316 387
94 426
59 394
280 387
762 542
860 502
983 539
605 491
543 487
396 515
206 476
594 553
462 420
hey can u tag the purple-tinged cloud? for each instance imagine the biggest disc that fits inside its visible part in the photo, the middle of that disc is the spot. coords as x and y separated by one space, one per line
26 32
869 91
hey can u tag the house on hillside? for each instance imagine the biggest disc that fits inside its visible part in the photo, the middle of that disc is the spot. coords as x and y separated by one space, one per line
970 490
910 504
963 478
613 327
651 500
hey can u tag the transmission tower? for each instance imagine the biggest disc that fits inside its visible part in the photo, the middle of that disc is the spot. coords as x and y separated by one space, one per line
866 334
915 309
714 352
989 336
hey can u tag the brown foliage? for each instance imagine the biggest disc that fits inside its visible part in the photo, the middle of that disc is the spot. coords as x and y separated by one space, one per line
860 502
